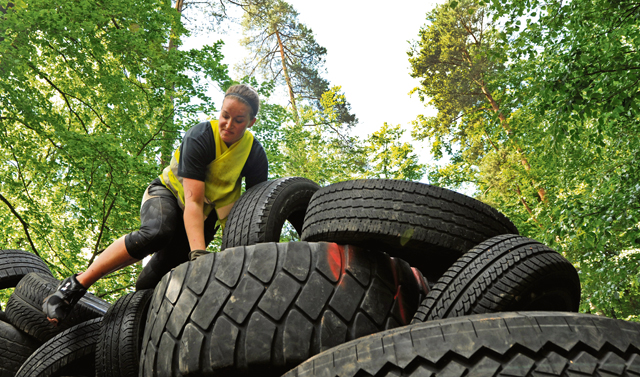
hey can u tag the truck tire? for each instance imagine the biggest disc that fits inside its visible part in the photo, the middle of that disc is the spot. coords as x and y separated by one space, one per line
429 227
15 348
24 308
15 264
3 317
120 338
70 353
265 308
504 273
260 213
526 344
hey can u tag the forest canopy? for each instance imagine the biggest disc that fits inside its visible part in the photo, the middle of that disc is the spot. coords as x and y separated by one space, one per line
537 115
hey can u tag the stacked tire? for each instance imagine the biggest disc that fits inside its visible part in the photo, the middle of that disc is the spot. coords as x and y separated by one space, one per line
388 278
504 307
265 308
15 344
337 303
29 344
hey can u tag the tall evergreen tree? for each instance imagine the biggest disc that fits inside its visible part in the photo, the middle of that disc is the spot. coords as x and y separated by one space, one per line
563 79
457 59
390 158
285 51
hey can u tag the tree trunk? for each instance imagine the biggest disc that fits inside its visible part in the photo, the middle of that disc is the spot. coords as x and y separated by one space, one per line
173 40
286 77
166 151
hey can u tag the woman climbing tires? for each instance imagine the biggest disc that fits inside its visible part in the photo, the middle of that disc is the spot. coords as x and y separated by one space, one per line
428 226
528 344
504 273
263 309
260 213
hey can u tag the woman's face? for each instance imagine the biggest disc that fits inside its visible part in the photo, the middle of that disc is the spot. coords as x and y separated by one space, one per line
235 118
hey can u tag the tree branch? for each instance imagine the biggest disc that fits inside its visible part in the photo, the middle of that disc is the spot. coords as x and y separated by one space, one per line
24 224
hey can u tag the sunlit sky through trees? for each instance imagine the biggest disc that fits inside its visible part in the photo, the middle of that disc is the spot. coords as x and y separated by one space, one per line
367 44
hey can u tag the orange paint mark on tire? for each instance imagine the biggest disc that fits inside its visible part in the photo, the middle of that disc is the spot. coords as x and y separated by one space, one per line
334 259
420 279
400 302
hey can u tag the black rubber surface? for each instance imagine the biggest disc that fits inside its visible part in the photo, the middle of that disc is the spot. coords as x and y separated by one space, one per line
504 344
263 309
260 213
15 348
504 273
118 346
70 353
24 308
428 226
15 264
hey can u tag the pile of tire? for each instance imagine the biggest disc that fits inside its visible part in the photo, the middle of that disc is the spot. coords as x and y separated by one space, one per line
29 344
389 278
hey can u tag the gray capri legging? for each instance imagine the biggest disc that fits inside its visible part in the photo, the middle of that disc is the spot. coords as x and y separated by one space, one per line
162 234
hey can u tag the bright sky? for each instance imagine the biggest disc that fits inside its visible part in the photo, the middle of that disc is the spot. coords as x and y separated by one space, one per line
367 44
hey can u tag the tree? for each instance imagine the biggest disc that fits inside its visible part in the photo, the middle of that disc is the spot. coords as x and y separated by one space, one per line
285 51
389 158
577 64
458 58
90 97
562 76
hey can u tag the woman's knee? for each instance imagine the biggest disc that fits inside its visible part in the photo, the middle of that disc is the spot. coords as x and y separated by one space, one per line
146 241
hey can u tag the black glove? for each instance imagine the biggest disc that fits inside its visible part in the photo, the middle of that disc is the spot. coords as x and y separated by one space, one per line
193 254
58 305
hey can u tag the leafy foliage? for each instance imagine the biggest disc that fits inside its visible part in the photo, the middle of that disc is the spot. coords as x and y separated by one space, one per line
91 104
556 149
391 159
94 98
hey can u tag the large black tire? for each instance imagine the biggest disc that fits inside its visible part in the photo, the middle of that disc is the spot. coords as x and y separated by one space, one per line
260 213
118 347
264 308
3 317
15 264
429 227
24 308
70 353
15 348
505 344
505 273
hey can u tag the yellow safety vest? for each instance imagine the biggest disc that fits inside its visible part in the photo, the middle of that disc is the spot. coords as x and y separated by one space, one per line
222 182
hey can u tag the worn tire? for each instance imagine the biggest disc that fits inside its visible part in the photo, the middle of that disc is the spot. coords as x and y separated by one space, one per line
70 353
3 317
118 346
24 308
429 227
260 213
504 273
267 307
15 264
503 344
15 348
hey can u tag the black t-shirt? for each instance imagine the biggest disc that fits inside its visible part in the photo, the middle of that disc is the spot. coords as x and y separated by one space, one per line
198 149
